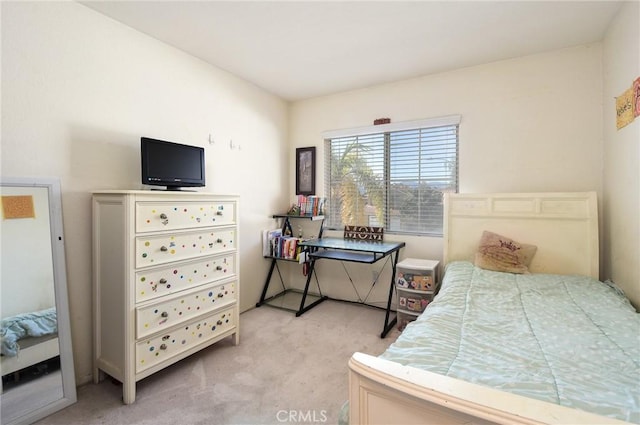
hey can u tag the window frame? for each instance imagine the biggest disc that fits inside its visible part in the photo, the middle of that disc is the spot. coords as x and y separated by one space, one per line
385 131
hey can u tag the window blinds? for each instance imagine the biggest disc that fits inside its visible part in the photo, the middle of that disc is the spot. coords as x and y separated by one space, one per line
393 178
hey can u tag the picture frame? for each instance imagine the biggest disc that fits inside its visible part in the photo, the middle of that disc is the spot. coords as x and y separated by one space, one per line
306 171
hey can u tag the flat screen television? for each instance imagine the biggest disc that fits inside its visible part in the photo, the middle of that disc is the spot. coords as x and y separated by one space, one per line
173 165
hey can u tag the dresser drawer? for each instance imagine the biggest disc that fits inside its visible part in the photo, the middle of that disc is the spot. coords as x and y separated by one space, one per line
165 280
167 313
155 350
154 216
164 248
414 300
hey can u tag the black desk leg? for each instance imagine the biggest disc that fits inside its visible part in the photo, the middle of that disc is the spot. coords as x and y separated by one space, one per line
389 325
266 283
302 308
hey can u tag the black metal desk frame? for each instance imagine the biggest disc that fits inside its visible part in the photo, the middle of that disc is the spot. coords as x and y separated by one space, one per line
356 251
287 229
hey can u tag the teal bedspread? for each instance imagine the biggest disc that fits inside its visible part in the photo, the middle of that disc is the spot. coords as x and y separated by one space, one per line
569 340
12 329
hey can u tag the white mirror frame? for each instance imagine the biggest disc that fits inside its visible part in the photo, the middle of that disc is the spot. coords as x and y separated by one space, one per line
61 298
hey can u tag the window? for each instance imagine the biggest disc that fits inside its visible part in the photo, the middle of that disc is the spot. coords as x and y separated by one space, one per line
391 175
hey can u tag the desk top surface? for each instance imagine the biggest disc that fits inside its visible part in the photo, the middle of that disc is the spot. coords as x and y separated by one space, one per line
353 245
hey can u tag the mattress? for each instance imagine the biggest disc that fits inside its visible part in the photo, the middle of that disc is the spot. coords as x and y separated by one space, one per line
569 340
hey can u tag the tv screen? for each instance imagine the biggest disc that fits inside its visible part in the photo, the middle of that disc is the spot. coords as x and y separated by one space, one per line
173 165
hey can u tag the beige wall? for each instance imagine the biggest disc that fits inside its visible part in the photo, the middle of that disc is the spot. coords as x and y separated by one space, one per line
528 124
78 91
622 155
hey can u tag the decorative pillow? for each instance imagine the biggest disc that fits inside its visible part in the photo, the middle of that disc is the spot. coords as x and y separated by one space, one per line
502 254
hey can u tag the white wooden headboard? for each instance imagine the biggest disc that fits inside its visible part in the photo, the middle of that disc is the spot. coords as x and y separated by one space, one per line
564 227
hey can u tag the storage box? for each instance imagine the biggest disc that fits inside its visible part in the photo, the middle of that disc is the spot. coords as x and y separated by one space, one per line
420 275
416 285
413 300
404 318
414 281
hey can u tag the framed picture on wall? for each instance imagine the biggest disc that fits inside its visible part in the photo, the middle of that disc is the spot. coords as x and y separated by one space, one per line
306 171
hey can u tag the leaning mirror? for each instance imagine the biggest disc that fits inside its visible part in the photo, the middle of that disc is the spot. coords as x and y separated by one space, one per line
36 359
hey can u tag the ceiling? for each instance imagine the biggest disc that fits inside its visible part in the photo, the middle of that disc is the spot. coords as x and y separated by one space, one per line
299 50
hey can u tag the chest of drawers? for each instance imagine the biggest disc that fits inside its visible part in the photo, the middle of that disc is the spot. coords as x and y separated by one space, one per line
165 279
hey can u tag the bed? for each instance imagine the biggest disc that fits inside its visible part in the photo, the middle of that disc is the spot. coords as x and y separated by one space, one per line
496 347
28 339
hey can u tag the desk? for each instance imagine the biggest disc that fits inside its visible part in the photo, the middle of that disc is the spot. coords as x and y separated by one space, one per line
356 251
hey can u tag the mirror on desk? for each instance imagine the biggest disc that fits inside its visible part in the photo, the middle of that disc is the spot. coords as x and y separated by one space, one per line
37 362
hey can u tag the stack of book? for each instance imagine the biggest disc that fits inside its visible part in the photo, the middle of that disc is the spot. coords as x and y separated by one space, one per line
274 244
310 205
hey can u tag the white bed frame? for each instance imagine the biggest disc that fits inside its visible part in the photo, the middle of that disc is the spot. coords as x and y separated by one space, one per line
564 226
32 351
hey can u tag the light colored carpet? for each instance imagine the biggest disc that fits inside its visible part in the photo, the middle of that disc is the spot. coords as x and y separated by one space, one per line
285 370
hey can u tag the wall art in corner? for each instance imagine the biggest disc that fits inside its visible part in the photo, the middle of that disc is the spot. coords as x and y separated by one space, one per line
628 105
306 171
636 98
